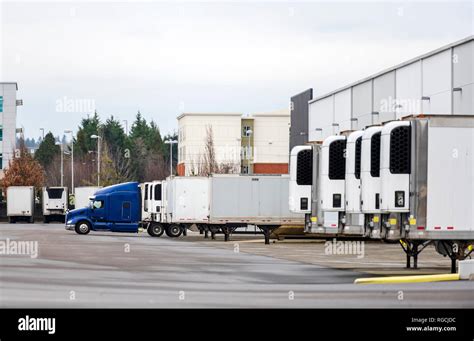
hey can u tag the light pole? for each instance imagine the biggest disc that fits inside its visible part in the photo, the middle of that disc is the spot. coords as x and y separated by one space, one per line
72 158
126 127
42 133
249 133
98 157
171 143
62 162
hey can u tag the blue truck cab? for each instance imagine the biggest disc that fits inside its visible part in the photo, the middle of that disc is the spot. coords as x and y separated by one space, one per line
115 208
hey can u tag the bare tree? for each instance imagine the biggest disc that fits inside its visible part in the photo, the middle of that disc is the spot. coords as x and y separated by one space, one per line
208 162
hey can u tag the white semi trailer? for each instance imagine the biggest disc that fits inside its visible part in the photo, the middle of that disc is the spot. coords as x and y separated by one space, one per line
55 203
82 195
409 180
218 203
20 203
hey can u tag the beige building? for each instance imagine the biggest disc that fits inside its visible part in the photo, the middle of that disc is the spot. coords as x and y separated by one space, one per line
256 143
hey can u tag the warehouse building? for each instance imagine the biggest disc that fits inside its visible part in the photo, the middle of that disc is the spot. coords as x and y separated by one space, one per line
8 104
440 82
255 143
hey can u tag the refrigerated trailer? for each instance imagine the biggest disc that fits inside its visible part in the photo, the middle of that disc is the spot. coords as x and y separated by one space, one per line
409 180
54 203
220 203
20 203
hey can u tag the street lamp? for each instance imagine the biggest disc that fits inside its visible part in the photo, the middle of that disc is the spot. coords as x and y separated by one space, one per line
72 158
249 133
126 127
98 157
42 133
62 162
171 142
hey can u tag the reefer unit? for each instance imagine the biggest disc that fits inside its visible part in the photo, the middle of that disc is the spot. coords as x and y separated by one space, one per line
20 203
55 203
301 178
370 170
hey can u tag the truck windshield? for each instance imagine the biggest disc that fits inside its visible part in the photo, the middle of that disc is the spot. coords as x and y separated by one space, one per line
55 193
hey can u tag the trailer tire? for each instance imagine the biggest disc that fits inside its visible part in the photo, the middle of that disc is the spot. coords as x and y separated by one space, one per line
83 227
173 231
11 220
46 219
31 220
155 230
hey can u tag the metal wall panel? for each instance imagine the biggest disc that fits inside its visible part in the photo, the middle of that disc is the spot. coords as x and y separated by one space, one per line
321 118
463 79
437 84
408 90
384 98
362 105
299 118
342 110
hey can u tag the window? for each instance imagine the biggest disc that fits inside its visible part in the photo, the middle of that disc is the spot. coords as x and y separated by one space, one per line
146 192
245 169
158 192
245 131
96 204
1 133
1 161
1 103
304 167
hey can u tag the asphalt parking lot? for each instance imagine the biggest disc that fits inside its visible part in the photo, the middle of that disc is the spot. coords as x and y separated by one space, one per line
106 269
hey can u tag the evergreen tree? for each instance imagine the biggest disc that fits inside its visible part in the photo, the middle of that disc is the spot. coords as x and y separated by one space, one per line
47 150
89 126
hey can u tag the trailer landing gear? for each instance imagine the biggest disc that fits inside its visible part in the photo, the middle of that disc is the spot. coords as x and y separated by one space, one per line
267 231
455 250
412 249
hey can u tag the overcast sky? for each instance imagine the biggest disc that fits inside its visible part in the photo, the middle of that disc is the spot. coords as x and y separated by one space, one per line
166 58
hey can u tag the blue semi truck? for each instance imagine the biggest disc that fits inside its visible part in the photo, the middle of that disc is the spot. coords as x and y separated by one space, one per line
115 208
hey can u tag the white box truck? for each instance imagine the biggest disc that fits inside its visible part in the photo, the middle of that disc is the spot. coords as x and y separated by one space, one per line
82 195
55 203
20 203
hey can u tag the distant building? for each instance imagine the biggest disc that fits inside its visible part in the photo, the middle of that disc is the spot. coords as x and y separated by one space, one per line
8 104
257 143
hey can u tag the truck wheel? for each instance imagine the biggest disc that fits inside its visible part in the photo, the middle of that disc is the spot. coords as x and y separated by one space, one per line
155 230
46 219
83 227
173 231
11 220
31 220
